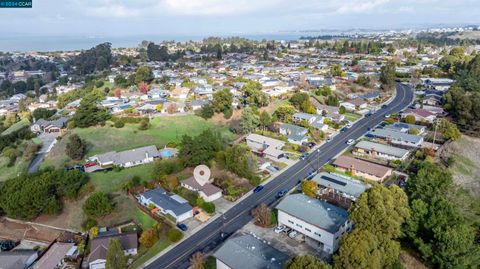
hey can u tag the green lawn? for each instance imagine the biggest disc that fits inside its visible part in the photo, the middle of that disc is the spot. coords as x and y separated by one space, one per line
352 116
159 246
112 181
143 219
12 171
162 131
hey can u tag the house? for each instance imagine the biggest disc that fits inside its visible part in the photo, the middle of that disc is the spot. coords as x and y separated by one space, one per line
166 204
50 126
299 117
319 125
265 146
249 252
421 115
127 158
180 92
371 96
380 151
56 256
206 190
295 134
354 104
17 259
99 247
322 224
330 112
398 138
339 184
405 127
363 169
197 104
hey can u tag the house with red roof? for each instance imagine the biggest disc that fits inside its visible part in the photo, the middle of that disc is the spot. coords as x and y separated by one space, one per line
420 114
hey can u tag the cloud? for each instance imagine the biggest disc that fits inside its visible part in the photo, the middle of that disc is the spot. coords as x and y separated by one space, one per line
360 6
217 7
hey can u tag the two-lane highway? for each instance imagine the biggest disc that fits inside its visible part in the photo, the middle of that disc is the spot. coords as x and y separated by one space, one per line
214 233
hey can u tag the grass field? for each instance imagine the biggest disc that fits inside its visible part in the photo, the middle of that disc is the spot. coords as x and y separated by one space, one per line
112 181
352 116
162 131
159 246
16 126
12 171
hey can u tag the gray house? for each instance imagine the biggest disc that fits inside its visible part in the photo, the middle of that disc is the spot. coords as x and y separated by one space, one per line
127 158
295 134
339 184
248 252
166 204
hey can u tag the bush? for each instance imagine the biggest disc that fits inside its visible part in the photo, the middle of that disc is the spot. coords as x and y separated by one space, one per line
227 114
144 125
174 235
119 124
76 147
97 205
209 207
149 238
89 223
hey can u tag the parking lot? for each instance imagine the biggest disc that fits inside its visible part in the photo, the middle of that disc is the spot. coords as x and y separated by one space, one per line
282 242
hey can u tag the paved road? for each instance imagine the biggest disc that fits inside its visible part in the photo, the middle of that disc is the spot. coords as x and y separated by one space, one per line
217 231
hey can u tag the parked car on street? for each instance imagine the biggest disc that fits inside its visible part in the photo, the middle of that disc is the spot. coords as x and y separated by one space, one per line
281 193
350 141
258 189
182 227
304 156
279 229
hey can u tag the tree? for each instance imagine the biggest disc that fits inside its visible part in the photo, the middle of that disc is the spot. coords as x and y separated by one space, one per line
359 249
298 99
207 111
222 100
262 215
284 113
265 119
410 119
450 131
88 113
252 92
250 119
239 160
342 110
337 71
388 75
143 74
75 148
202 148
306 262
174 235
43 113
143 87
115 257
97 205
197 260
149 237
310 188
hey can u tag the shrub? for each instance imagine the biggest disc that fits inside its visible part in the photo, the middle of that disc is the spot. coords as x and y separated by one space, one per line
89 223
174 235
76 147
209 207
97 205
149 238
144 125
119 124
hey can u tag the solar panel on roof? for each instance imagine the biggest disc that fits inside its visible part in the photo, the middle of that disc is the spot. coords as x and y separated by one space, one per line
338 182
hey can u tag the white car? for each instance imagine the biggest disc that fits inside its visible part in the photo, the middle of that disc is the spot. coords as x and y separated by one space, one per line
350 142
293 234
387 116
279 229
349 125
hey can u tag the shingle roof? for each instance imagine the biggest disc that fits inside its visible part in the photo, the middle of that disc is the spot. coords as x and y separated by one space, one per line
385 149
132 155
248 252
340 183
316 212
399 136
362 166
100 244
208 188
53 256
17 259
160 197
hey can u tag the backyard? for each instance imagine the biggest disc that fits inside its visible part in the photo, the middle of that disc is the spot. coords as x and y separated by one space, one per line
163 130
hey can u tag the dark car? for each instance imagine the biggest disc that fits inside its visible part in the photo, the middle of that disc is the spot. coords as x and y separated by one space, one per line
311 144
344 129
258 189
384 106
6 245
311 174
182 227
304 156
281 193
368 114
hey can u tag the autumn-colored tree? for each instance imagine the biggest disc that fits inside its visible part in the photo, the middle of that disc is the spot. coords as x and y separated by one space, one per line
149 237
262 215
172 108
310 188
117 93
197 260
143 87
410 119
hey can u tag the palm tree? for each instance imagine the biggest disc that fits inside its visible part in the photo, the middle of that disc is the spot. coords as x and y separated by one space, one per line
196 261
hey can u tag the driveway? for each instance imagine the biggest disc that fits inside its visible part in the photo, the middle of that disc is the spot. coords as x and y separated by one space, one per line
48 141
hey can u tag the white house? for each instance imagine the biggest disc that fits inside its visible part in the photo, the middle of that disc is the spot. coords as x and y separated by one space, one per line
265 145
206 190
166 204
99 247
398 138
319 221
380 151
354 104
127 158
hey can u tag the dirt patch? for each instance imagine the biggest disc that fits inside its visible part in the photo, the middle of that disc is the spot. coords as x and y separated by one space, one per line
463 158
20 231
410 262
70 218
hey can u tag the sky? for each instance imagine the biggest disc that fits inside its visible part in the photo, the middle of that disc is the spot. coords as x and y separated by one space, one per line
228 17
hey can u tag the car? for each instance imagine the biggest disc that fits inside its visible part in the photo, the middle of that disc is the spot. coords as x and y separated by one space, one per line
6 245
344 129
368 114
292 234
349 125
287 230
279 229
281 193
310 144
328 140
311 174
384 106
304 156
182 227
369 129
350 141
259 188
387 116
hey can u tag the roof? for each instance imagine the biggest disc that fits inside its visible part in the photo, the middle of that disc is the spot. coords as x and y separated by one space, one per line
294 129
316 212
132 155
403 127
17 259
341 183
248 252
209 189
399 136
418 111
100 244
385 149
356 101
371 95
60 123
265 140
362 166
304 116
53 256
160 197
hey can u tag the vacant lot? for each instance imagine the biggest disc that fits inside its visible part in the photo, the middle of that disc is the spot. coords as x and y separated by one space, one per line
162 131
